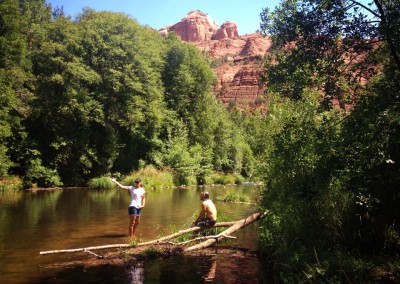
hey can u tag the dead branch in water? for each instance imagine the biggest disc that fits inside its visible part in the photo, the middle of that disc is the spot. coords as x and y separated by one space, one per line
233 227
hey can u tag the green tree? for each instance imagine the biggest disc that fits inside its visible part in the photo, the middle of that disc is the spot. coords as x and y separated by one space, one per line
129 59
371 158
99 95
6 122
177 154
324 45
16 81
188 79
332 178
62 110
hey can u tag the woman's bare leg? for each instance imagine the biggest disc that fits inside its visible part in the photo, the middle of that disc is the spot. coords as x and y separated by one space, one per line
134 221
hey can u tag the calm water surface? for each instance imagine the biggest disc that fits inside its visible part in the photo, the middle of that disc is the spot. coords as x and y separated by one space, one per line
34 221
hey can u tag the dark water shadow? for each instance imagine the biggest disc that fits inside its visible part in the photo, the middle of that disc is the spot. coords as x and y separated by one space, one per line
94 274
112 236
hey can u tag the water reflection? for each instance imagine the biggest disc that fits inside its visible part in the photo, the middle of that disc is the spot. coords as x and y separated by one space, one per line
219 267
137 274
34 221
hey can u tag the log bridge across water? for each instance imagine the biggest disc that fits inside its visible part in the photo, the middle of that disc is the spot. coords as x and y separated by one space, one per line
205 241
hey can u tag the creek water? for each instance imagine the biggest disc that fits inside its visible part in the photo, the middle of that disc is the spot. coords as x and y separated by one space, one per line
41 220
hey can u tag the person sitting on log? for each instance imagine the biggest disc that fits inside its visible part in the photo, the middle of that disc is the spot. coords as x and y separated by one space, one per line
208 213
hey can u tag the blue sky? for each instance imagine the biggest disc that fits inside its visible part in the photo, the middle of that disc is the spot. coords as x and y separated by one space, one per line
161 13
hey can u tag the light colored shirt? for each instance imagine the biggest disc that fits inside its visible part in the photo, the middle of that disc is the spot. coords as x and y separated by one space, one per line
136 196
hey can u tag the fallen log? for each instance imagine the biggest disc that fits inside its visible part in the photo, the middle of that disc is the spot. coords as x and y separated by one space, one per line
233 227
158 241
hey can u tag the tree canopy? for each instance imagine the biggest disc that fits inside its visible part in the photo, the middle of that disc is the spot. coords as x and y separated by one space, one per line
326 45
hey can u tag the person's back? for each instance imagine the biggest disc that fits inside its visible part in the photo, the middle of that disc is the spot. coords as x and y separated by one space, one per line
208 213
211 210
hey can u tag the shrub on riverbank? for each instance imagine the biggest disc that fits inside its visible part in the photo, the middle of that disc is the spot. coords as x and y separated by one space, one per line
11 183
152 178
234 197
221 178
101 183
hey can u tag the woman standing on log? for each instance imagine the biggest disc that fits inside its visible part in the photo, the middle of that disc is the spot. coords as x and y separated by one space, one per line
138 201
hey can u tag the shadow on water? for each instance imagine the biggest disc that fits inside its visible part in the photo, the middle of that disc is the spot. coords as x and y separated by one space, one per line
112 236
95 274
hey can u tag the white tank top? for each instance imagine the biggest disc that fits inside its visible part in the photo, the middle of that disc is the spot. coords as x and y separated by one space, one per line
136 196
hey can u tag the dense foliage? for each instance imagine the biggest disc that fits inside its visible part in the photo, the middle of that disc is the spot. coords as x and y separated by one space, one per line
99 93
332 177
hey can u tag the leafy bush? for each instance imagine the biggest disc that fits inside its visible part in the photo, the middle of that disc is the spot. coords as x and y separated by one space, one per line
11 183
229 179
152 178
239 179
39 175
101 183
5 162
234 197
207 180
221 178
185 180
216 178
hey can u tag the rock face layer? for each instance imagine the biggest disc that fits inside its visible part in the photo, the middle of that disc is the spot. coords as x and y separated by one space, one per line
239 84
238 69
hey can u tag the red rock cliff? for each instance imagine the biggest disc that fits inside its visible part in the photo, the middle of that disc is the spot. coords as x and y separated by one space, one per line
196 26
227 30
238 69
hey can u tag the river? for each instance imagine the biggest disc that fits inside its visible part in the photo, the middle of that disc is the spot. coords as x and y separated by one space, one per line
41 220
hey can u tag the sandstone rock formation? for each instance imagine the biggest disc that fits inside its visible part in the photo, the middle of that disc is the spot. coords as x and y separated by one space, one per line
226 30
238 57
196 26
239 83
